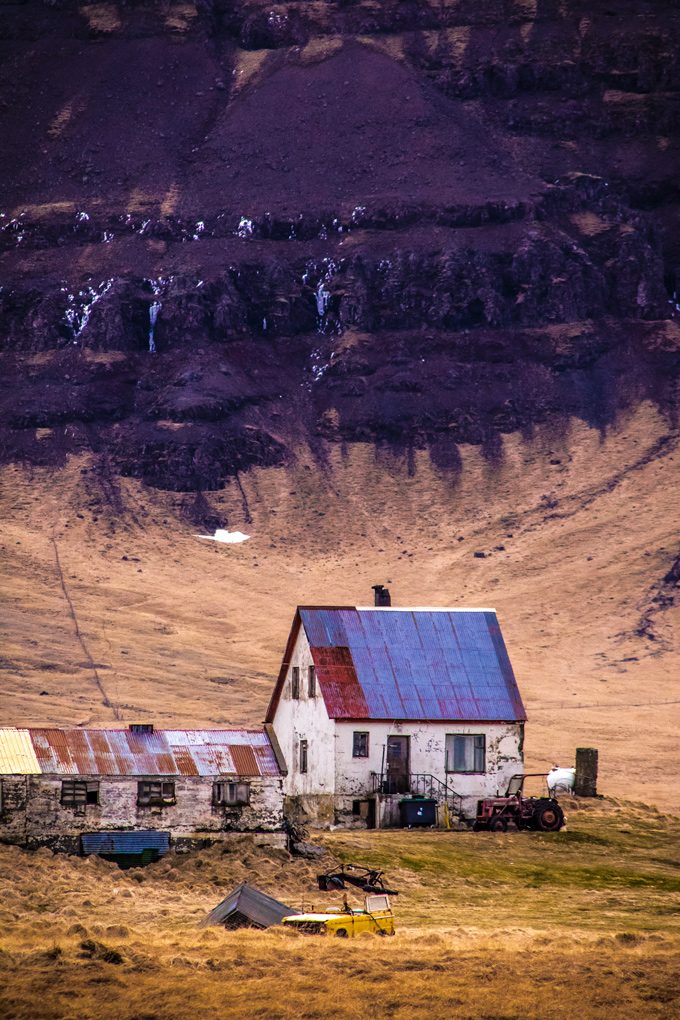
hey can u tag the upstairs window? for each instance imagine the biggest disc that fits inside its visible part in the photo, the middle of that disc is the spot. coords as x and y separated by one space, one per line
230 794
360 745
303 756
155 793
78 793
465 752
311 682
295 683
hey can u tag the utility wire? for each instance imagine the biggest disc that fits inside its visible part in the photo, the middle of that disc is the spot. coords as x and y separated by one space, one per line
602 704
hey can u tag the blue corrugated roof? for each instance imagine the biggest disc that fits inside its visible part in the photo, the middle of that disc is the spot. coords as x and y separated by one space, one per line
125 842
413 664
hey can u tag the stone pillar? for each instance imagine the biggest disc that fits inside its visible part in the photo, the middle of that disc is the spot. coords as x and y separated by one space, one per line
585 784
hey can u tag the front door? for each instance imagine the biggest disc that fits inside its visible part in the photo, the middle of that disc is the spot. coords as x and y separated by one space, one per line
397 779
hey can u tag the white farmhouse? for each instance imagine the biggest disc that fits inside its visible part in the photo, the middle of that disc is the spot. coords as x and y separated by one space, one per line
373 703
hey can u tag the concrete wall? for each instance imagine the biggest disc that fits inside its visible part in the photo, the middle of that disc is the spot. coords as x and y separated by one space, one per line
308 794
32 809
504 757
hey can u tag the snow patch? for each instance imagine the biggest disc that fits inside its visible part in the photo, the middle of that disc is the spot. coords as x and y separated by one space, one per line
225 536
79 306
245 227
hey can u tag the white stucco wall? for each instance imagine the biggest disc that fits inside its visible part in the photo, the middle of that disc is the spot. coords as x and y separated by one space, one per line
305 719
428 755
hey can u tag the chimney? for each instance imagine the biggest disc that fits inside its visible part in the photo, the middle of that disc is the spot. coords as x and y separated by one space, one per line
141 727
382 595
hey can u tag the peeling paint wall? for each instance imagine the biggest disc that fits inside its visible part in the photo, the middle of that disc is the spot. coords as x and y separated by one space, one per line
305 719
32 808
428 756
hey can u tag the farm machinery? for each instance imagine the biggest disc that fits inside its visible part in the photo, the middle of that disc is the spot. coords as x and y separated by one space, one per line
369 880
542 814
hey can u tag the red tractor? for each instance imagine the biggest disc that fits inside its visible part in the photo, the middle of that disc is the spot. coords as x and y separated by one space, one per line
543 814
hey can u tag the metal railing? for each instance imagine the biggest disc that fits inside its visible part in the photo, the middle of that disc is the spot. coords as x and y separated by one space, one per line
418 784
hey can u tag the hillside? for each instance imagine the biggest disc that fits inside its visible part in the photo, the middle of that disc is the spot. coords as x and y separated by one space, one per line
388 287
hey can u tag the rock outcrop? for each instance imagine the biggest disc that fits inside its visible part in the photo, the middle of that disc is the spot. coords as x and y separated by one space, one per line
233 228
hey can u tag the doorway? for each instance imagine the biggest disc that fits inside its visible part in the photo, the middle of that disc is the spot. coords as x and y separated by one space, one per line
397 761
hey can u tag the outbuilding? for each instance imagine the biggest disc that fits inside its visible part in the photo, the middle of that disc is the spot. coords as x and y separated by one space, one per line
374 704
247 907
61 788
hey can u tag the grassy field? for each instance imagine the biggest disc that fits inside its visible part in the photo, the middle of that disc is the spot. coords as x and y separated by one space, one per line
577 924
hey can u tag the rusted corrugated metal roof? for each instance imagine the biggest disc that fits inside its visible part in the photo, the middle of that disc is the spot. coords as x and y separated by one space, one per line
340 682
123 753
17 756
412 664
244 759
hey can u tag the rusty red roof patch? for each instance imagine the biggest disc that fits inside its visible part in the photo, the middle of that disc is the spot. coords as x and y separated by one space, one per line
339 683
245 762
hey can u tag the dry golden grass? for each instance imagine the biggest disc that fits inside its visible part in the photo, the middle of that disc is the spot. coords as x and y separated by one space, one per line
511 926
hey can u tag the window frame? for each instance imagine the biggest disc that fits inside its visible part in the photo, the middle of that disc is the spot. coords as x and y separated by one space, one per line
162 799
478 754
311 681
295 683
355 744
87 787
303 757
231 793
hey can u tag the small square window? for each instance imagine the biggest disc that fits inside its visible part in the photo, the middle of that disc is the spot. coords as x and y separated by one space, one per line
231 794
295 683
77 793
360 744
303 755
465 752
155 793
311 682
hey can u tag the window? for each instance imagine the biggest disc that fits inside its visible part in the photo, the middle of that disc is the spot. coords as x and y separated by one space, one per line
465 752
311 682
295 682
360 745
231 793
155 793
78 793
303 756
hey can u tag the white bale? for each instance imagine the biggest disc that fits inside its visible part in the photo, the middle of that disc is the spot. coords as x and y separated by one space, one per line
561 779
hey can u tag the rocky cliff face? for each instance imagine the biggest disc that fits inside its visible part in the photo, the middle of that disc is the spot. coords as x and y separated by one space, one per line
230 229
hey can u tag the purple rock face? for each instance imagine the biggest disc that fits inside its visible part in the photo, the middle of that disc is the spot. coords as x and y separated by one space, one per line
209 256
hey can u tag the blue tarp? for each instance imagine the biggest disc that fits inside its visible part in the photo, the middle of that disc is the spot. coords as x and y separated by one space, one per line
125 842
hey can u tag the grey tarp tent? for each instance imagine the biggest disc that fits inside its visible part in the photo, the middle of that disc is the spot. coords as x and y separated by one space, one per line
247 907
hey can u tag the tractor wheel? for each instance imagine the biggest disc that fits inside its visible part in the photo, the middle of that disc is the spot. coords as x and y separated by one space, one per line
548 817
498 824
341 933
479 826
